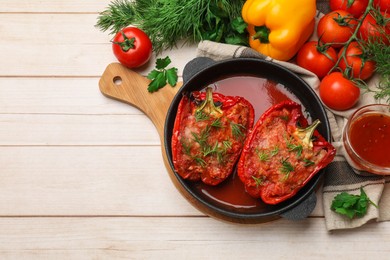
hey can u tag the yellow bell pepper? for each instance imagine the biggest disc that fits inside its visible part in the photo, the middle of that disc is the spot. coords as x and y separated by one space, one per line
278 28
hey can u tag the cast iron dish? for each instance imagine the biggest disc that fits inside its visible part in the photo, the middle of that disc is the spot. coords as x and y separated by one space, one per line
216 71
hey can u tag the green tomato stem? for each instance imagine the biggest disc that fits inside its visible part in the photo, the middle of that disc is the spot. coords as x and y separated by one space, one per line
127 44
354 37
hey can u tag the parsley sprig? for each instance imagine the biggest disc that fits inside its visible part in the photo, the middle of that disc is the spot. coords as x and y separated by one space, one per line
160 76
352 205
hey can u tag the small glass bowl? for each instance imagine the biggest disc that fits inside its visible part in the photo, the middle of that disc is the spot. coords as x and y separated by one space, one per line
353 158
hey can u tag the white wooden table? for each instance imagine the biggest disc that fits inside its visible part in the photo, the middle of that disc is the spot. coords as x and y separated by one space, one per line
81 175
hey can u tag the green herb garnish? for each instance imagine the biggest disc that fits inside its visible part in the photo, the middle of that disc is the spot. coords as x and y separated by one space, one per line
236 130
220 157
259 181
379 51
284 118
286 168
200 161
202 137
227 144
295 148
262 155
160 76
186 147
201 116
274 151
308 162
169 22
351 205
207 149
217 123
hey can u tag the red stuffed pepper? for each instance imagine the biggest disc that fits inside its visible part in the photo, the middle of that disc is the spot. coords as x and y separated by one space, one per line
208 135
282 154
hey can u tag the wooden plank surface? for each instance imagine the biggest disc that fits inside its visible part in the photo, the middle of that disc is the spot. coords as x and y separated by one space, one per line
69 129
56 95
49 6
88 180
63 45
184 238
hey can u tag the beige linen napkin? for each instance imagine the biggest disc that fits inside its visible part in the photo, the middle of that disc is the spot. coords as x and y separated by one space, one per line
340 176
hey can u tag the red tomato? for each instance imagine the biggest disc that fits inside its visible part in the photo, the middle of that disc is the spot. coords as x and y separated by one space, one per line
316 58
338 92
354 7
384 5
336 27
132 47
375 26
362 67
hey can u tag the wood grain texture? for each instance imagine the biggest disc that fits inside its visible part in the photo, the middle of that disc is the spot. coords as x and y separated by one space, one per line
49 6
87 180
82 175
65 45
125 85
63 129
184 238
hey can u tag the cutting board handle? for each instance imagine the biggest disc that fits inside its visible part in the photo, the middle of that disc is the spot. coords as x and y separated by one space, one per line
125 85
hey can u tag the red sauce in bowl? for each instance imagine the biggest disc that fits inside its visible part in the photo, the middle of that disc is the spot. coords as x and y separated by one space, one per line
369 136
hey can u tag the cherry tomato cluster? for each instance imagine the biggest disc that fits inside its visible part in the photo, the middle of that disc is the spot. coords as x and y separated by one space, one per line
339 58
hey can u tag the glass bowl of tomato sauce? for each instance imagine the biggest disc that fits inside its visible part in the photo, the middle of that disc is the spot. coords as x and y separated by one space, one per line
366 139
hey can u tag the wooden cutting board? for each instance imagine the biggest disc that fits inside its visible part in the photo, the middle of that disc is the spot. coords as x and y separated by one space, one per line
125 85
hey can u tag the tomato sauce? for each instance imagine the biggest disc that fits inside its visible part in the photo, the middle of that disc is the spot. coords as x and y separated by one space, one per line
262 93
370 138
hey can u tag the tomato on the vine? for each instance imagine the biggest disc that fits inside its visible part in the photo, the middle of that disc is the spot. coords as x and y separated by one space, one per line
354 7
361 66
384 5
317 58
336 27
338 92
132 47
376 25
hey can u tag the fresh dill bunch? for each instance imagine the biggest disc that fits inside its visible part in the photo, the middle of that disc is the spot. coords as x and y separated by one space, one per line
168 22
118 14
187 21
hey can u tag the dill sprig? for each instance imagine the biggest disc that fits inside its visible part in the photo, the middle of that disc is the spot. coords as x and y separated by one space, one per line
274 151
186 147
201 116
202 137
258 181
200 161
308 162
217 123
286 168
236 130
380 53
118 14
208 149
298 148
262 155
